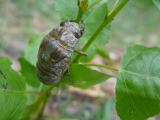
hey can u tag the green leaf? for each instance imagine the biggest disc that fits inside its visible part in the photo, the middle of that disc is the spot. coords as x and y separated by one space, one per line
66 9
31 51
29 73
138 84
83 77
92 22
157 3
12 92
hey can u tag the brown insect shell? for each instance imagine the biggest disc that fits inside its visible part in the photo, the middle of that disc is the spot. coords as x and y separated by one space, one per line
56 50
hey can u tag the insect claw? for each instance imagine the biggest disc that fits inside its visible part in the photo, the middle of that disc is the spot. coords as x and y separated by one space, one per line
80 52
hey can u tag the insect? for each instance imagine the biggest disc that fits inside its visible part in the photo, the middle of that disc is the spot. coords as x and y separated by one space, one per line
56 50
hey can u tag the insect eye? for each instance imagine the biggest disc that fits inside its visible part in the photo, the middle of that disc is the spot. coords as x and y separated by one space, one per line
62 23
77 35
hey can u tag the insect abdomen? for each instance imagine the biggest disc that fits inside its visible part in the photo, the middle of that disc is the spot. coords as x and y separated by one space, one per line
56 50
53 61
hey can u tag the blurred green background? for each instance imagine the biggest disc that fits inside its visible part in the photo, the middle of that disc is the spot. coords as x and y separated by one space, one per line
137 23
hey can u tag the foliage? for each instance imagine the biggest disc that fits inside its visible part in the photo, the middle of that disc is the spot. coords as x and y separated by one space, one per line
12 92
157 3
138 82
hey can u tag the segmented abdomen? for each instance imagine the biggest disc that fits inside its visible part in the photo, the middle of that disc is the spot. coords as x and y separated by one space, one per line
56 50
53 61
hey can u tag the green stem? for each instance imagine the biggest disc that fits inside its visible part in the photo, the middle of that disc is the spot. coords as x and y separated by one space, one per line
40 114
93 4
113 7
107 20
46 97
80 12
102 66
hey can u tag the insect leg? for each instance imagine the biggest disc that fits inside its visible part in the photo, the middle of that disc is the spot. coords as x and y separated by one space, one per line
80 52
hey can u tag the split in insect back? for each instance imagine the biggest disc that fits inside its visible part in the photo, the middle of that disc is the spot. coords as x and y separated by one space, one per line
3 82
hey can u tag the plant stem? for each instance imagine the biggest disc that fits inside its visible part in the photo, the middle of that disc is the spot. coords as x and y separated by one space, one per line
102 66
82 8
40 114
46 97
80 12
107 20
93 4
113 7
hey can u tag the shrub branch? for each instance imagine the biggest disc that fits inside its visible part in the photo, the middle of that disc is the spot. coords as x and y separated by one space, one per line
108 19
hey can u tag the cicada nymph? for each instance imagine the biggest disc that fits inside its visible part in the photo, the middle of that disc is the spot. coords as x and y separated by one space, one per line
56 50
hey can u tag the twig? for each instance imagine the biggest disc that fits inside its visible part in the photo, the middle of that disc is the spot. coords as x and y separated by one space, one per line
106 21
46 97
